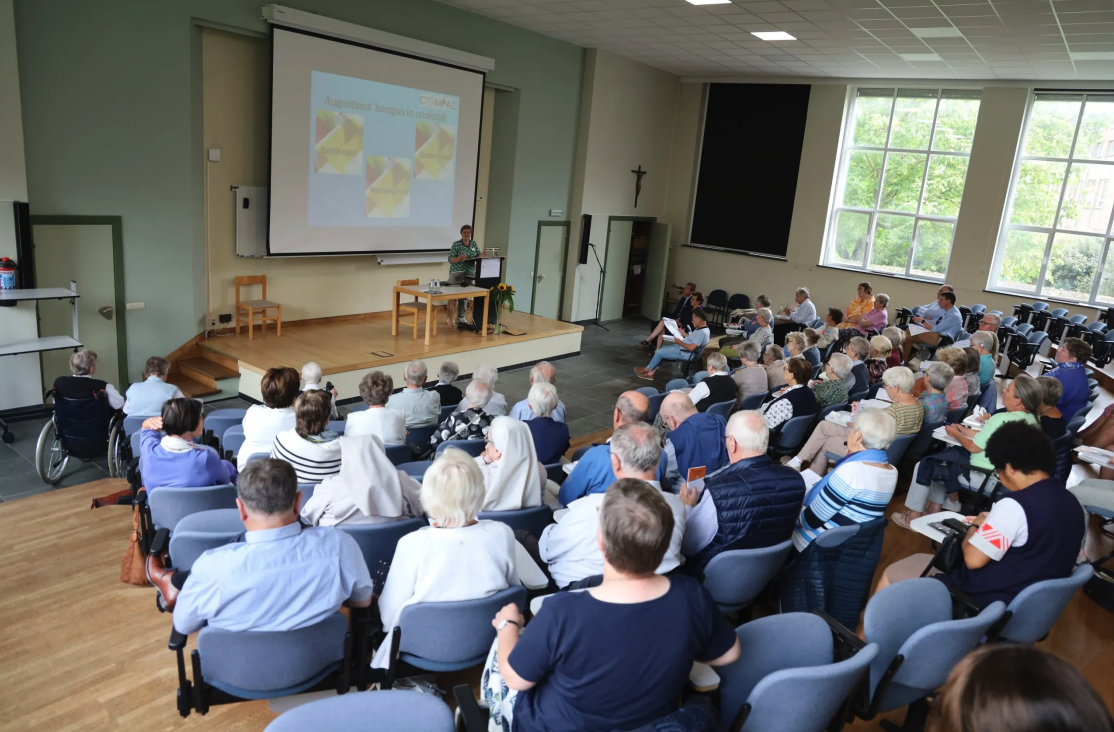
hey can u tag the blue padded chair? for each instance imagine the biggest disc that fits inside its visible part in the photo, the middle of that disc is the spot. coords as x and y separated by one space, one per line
219 420
1063 447
873 389
817 370
723 409
1027 350
420 436
449 636
898 447
258 456
787 658
392 711
232 441
378 541
531 520
655 406
133 422
988 400
698 377
307 493
579 453
752 402
336 425
955 416
416 468
446 412
556 473
473 447
921 443
675 384
170 505
647 390
791 435
735 577
399 454
361 407
1032 613
694 357
858 396
831 408
199 532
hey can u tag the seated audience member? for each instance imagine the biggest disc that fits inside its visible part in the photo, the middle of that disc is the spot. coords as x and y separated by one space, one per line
931 311
947 323
682 314
598 660
263 422
956 391
311 377
695 440
147 397
937 475
369 489
812 353
593 472
488 374
751 379
801 314
542 373
774 362
717 387
470 424
829 331
571 547
446 375
858 487
422 408
1071 371
1052 419
175 460
683 350
280 577
1018 689
938 377
311 447
972 373
877 319
751 503
551 438
895 336
1032 534
760 335
832 389
389 425
696 302
81 384
513 477
1100 433
879 349
831 437
796 400
860 306
858 349
796 344
456 557
749 324
986 344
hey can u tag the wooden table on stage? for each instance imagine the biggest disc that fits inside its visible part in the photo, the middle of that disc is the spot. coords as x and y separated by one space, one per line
447 293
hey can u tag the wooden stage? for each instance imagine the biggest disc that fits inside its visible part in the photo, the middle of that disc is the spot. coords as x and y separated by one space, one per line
347 347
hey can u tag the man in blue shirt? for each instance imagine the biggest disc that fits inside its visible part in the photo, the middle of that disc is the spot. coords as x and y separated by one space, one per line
947 323
542 373
682 350
1071 357
932 310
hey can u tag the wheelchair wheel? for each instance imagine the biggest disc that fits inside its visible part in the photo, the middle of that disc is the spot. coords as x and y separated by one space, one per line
50 456
118 451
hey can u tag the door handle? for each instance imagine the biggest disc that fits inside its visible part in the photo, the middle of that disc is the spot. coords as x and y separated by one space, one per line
105 312
541 277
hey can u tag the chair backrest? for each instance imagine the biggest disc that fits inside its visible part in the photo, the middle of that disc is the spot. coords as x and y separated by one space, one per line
1008 322
675 384
199 532
825 411
399 454
171 505
1039 306
723 409
793 432
271 661
924 438
233 439
1062 445
717 298
416 468
1037 337
978 308
556 473
1098 325
133 422
754 401
82 425
647 390
454 632
579 452
1077 319
258 456
446 412
336 425
872 390
473 447
1023 329
392 710
897 448
734 578
655 405
859 396
1036 608
698 377
955 416
306 489
531 520
378 541
738 301
248 280
220 420
1059 312
988 399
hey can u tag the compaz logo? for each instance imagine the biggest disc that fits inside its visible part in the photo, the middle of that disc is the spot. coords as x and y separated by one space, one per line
428 100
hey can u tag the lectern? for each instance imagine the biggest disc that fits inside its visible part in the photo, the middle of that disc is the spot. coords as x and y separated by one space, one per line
489 273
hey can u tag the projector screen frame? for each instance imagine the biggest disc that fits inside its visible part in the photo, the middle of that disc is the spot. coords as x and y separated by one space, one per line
270 140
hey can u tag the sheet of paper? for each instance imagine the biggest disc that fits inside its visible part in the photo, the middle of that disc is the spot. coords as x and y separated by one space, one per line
943 436
915 329
568 468
673 328
874 403
840 418
882 396
811 478
733 331
668 339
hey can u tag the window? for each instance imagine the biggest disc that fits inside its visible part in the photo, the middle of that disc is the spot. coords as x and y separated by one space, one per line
901 175
1056 234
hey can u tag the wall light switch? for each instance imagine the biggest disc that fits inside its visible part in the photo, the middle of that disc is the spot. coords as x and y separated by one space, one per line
214 155
137 306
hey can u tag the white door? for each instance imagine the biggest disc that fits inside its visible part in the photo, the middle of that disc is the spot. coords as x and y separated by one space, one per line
653 290
549 270
81 252
615 279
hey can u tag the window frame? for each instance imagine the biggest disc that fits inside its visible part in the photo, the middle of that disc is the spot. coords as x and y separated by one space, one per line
847 147
1005 227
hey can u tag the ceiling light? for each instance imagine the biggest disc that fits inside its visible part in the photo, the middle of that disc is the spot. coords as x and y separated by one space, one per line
773 35
947 32
709 2
921 56
1093 55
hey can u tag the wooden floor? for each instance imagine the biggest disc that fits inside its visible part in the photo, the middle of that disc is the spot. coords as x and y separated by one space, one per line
81 651
346 344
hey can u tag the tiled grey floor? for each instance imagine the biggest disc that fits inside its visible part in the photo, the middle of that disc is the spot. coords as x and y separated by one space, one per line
588 384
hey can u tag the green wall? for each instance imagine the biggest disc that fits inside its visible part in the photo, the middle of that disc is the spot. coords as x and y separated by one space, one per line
111 103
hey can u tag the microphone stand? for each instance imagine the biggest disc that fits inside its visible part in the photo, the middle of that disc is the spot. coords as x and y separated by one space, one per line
599 291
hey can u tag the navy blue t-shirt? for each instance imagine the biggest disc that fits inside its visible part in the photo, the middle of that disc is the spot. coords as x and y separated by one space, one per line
551 438
602 666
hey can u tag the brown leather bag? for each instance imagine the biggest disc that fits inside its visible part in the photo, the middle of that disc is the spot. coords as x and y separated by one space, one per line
133 570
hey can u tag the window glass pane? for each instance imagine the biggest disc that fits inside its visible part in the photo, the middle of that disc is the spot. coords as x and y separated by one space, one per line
1072 265
864 169
943 191
850 238
1096 130
1036 192
872 120
913 122
1106 284
1083 208
1021 261
1051 128
893 237
902 185
955 125
934 246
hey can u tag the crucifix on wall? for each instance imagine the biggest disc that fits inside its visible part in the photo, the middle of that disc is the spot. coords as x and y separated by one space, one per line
638 183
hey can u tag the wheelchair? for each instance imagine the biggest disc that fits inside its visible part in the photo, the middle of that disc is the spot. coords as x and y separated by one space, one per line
84 429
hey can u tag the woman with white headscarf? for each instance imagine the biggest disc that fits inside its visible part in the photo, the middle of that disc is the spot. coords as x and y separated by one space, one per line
368 490
513 477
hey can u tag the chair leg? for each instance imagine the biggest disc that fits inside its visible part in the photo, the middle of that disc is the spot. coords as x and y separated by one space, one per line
278 323
251 326
237 320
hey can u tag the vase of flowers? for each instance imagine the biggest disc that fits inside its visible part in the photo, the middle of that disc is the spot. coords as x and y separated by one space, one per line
501 295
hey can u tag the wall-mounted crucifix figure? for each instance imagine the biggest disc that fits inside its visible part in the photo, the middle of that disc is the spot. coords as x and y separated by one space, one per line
638 183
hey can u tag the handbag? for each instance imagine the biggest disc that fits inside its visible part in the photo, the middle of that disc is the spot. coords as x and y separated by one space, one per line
133 569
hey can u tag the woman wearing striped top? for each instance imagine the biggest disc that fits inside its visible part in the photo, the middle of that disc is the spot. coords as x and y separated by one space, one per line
310 447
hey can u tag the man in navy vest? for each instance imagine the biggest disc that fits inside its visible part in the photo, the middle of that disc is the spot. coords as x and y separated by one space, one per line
695 440
751 503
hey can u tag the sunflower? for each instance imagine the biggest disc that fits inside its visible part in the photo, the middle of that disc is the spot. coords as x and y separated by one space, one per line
502 287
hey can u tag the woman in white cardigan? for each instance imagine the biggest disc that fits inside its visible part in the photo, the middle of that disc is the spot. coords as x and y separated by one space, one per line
457 557
368 490
513 477
310 447
263 422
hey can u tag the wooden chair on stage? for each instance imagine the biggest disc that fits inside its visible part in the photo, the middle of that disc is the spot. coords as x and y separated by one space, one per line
262 307
416 308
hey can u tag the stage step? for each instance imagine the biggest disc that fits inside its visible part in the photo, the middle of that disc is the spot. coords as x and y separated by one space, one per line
205 371
190 387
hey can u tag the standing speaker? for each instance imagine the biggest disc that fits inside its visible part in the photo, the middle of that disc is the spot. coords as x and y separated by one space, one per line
25 246
585 235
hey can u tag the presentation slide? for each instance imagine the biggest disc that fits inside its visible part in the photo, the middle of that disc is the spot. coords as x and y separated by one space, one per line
389 162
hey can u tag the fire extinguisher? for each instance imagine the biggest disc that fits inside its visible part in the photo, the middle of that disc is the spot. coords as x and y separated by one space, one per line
7 274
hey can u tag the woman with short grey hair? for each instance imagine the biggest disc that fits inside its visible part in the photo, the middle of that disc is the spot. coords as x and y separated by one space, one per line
422 408
551 438
831 389
446 375
471 423
389 425
497 404
751 378
83 365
